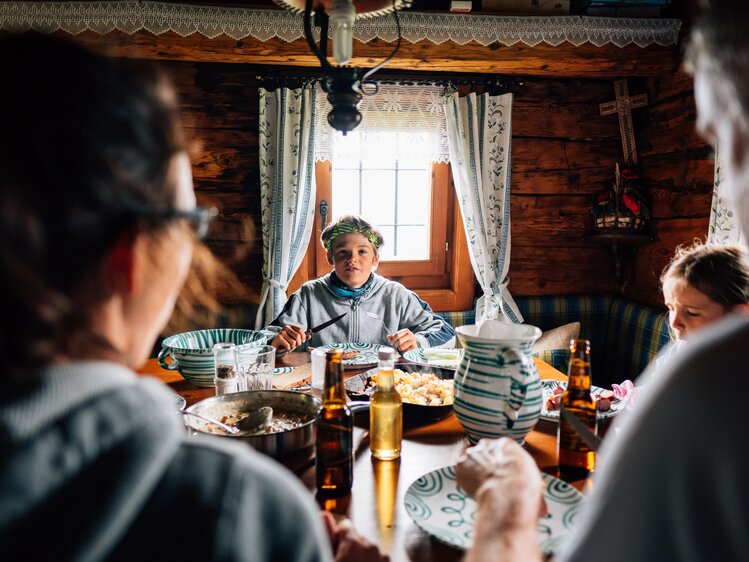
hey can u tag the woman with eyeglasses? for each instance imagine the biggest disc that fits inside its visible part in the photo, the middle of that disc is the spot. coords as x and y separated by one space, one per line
98 228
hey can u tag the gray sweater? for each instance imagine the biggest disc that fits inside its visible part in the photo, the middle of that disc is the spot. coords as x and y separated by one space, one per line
384 309
95 464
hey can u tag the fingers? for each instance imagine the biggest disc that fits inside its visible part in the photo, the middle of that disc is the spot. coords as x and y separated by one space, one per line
330 526
349 546
290 337
403 340
495 458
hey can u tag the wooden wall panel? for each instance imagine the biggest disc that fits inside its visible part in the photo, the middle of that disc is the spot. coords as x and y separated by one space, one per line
681 166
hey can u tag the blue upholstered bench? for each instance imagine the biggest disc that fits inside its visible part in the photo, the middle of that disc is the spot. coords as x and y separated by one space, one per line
624 335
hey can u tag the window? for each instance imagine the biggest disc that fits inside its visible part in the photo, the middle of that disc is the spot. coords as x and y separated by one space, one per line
391 189
412 202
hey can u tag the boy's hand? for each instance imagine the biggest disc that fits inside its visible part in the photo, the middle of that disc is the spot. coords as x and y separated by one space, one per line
403 340
290 337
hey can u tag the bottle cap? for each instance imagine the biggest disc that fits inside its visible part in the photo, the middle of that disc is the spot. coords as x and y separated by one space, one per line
386 354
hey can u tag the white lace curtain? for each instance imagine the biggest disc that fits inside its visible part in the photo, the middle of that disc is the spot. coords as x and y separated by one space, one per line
724 228
287 190
480 134
403 108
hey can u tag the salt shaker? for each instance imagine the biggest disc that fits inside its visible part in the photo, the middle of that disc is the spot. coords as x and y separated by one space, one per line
225 377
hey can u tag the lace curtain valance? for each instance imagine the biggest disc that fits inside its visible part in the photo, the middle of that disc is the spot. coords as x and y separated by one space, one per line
403 108
238 23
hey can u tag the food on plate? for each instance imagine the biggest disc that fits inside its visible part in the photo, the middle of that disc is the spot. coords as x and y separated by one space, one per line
349 354
603 399
281 421
555 399
441 356
426 389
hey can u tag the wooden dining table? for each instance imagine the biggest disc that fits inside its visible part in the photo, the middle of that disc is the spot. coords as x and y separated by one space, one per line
375 504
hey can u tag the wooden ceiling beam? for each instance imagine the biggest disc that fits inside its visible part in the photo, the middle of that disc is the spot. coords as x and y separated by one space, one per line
564 60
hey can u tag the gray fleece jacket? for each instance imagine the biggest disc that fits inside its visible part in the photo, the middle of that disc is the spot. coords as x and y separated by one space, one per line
95 464
384 309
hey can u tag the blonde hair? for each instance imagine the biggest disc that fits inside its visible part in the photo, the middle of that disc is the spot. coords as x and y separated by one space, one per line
719 272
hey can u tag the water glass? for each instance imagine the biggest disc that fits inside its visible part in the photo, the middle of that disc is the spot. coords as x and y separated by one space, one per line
317 356
256 364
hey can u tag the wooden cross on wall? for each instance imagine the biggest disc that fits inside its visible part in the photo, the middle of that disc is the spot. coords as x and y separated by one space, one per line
623 105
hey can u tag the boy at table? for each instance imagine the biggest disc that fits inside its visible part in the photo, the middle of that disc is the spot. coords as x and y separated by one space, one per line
377 310
673 484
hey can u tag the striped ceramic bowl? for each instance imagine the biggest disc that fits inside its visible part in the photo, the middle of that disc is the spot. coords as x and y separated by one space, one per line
191 353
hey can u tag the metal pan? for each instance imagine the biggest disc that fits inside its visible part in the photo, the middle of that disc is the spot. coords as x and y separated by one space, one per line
360 387
293 444
277 445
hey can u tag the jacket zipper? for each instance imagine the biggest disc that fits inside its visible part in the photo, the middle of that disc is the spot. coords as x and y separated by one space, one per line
354 335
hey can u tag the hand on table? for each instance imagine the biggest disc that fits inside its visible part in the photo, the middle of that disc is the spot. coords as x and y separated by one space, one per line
290 337
503 473
403 340
348 545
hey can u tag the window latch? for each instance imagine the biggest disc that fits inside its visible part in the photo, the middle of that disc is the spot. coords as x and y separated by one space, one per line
323 213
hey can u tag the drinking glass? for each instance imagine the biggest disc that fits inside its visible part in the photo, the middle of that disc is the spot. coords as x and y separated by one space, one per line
255 364
317 357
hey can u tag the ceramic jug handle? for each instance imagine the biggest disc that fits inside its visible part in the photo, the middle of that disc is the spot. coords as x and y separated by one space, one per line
513 355
465 371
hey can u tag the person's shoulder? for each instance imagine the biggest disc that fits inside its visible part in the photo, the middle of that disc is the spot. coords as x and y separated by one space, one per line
235 468
701 373
722 350
315 285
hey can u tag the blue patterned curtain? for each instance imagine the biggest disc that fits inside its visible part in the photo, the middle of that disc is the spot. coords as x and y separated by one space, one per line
723 228
479 136
287 190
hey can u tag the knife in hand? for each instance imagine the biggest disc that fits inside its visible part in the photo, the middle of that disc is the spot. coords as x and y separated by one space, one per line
324 325
313 330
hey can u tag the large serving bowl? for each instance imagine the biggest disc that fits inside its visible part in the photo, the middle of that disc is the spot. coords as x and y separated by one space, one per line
281 445
191 353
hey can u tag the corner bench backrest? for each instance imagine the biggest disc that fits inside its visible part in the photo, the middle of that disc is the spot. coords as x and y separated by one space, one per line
636 333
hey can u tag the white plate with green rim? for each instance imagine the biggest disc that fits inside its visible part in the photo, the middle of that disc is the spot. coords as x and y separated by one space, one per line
447 358
442 509
356 355
548 387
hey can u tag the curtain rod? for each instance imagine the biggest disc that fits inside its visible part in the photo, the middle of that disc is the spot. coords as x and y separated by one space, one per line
493 84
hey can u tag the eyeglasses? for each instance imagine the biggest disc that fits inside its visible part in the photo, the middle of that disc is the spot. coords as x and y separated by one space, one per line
200 218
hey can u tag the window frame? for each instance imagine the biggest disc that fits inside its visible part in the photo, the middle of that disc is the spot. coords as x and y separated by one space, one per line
445 280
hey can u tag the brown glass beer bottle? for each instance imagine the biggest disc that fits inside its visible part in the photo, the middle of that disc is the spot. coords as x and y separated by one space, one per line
576 458
335 426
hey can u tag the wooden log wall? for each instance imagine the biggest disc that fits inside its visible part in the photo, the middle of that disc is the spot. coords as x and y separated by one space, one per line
679 167
563 153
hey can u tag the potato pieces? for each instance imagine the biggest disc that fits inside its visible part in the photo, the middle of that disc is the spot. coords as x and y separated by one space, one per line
426 389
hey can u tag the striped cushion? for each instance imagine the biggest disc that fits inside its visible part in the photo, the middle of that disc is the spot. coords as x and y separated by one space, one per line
459 318
592 311
636 334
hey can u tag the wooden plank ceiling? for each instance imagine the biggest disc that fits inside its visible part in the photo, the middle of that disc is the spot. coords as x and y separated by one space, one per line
564 60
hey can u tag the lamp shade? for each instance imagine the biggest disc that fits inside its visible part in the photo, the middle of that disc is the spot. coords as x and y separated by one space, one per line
364 8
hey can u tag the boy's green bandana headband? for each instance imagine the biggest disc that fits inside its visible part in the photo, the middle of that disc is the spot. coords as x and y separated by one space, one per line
344 228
